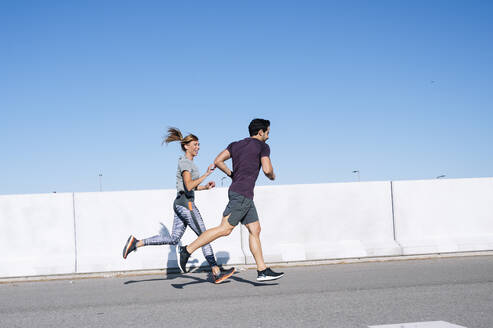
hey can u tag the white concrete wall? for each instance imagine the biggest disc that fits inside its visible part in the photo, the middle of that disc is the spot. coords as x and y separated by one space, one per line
325 221
444 215
85 232
36 235
105 220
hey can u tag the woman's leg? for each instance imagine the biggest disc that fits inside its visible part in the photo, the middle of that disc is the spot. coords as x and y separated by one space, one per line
179 227
196 223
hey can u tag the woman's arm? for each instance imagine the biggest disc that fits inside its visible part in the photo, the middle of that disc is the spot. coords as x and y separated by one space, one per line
209 185
192 184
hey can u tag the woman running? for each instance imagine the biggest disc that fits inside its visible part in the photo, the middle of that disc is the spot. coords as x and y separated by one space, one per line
186 213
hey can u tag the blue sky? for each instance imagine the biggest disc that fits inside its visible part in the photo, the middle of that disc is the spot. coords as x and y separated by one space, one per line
395 89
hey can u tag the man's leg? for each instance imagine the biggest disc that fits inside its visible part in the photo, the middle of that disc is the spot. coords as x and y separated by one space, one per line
255 245
263 272
205 238
210 235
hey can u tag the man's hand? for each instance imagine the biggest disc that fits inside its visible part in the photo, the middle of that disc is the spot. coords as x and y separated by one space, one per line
210 185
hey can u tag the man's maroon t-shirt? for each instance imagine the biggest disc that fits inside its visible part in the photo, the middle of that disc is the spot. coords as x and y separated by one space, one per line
246 156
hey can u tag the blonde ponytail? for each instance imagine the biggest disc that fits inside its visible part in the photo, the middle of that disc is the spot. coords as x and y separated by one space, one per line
174 134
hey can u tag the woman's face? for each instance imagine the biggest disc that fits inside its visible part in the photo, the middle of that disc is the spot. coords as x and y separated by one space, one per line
193 148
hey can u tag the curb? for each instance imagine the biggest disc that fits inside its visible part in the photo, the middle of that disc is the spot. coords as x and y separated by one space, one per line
240 267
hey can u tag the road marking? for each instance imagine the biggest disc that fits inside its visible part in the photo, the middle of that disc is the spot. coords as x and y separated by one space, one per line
428 324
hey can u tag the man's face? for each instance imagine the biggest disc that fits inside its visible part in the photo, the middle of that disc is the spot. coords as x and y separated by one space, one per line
265 135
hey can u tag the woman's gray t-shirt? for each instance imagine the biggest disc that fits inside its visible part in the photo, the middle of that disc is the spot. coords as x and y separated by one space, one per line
184 164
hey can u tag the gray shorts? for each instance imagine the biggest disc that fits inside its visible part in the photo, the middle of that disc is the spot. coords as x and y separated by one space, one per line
242 209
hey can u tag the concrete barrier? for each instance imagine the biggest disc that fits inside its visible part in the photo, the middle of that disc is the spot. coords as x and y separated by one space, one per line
448 215
85 232
36 235
325 221
105 220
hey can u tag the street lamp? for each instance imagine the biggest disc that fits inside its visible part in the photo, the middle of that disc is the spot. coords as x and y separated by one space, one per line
441 176
357 172
100 182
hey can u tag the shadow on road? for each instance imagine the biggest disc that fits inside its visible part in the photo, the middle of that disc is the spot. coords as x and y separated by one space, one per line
146 280
197 280
253 283
178 275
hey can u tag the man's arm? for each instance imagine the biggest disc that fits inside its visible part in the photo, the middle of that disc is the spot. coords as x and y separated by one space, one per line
267 167
219 162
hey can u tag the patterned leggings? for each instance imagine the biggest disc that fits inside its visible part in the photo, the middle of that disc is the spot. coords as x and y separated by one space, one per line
184 217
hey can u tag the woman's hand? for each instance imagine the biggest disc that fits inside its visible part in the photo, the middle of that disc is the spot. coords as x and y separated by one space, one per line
210 169
210 185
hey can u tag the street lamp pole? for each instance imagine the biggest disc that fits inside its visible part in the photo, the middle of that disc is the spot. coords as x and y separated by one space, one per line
357 172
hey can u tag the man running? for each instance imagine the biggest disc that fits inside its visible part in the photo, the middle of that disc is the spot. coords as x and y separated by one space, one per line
248 156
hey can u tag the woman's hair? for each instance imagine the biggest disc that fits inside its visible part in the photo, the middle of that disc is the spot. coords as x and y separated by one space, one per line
174 134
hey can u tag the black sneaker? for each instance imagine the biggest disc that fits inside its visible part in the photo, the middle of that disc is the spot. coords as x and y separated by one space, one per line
183 256
223 275
268 274
129 246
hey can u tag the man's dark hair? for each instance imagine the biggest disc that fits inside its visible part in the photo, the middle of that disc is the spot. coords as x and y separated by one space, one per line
256 125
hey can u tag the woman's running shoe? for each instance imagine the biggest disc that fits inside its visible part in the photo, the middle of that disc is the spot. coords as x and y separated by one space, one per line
223 275
130 246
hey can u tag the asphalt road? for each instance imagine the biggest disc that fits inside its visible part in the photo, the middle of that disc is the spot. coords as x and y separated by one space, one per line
455 290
